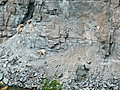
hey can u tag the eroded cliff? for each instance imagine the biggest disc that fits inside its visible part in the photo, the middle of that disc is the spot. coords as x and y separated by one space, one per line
80 39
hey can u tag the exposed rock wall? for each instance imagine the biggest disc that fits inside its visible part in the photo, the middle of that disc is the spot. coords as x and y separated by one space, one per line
80 39
12 13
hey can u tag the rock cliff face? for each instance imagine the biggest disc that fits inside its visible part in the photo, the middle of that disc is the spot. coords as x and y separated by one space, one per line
80 39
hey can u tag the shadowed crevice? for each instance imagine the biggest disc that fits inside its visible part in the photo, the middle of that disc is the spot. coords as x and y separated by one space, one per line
29 14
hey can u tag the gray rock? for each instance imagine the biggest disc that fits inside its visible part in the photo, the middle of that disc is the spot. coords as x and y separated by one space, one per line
111 85
23 79
1 76
88 62
5 80
4 65
87 67
35 74
81 73
104 85
116 88
81 67
103 88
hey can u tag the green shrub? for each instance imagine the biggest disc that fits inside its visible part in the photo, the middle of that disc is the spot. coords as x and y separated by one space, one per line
51 85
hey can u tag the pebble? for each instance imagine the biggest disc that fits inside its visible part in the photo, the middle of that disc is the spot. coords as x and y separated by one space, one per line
61 75
4 65
104 85
23 79
116 88
88 62
35 74
111 85
87 67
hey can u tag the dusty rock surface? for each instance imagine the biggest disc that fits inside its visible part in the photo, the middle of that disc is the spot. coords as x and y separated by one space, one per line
76 39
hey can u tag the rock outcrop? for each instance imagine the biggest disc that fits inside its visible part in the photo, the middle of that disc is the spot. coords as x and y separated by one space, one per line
80 40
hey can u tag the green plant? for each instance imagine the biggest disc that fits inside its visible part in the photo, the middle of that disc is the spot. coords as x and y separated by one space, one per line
51 85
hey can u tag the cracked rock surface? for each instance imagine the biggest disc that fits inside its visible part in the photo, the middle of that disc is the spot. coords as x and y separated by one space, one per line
75 39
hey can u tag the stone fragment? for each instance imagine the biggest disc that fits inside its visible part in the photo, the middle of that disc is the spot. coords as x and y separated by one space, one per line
5 80
1 76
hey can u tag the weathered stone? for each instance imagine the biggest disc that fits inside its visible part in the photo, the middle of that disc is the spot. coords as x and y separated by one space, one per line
5 80
62 40
1 76
52 43
81 73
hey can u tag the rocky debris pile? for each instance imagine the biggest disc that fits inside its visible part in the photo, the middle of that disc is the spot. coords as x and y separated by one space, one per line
94 82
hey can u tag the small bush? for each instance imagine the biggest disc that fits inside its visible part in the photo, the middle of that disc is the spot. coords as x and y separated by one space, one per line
51 85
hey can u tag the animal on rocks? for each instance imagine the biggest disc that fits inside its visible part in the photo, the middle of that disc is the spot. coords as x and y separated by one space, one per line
41 51
19 28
